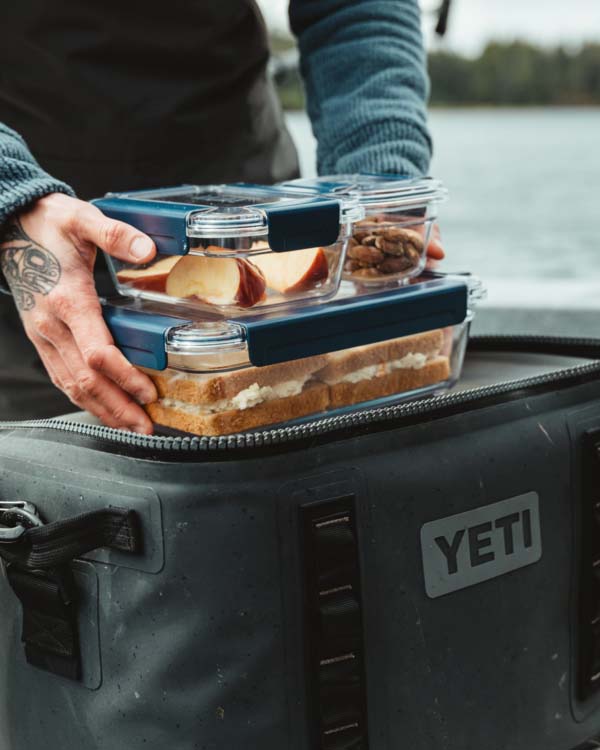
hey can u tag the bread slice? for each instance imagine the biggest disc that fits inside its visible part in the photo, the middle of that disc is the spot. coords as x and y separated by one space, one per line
208 388
348 361
398 381
313 399
221 403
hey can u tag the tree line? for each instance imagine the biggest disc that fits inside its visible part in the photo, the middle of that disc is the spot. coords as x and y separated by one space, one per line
516 74
504 74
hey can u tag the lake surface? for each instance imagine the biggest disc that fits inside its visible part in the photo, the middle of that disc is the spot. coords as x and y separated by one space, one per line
524 206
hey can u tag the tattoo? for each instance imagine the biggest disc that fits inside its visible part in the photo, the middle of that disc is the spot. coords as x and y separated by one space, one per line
28 267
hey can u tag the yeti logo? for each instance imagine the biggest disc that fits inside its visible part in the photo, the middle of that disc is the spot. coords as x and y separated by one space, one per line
471 547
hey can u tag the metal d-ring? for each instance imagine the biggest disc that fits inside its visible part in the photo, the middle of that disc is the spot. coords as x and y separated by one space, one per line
16 517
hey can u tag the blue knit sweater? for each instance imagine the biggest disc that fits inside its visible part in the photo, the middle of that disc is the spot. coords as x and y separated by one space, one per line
364 68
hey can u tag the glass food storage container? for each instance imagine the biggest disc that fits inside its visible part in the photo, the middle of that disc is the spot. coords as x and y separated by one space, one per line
234 248
389 245
222 377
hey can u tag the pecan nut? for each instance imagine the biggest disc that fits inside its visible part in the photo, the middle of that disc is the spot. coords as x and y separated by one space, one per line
404 235
381 247
366 254
351 265
396 264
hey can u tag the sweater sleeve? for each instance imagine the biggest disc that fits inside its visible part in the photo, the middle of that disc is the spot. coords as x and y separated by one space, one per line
22 180
364 68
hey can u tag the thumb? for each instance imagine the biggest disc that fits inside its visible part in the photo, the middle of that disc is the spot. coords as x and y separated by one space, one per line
435 249
116 238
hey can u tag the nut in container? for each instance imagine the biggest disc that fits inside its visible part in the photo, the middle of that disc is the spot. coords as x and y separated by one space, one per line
389 245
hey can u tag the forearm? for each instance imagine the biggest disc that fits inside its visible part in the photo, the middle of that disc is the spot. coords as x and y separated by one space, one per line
22 180
364 68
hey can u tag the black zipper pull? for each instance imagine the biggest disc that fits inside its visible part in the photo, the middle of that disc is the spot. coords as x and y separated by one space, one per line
443 13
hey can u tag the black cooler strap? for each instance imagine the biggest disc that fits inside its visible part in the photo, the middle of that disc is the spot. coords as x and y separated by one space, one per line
334 626
50 633
58 543
38 570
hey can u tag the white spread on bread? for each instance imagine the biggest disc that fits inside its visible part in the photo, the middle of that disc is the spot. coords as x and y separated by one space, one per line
256 394
411 361
246 399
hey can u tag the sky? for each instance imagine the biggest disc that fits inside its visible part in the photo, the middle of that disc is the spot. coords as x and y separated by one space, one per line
474 22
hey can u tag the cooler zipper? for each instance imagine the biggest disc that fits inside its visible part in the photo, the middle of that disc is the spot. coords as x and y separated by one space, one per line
430 407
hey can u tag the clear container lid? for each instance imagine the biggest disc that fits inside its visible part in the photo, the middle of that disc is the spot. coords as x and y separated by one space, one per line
477 290
207 346
206 336
240 210
375 191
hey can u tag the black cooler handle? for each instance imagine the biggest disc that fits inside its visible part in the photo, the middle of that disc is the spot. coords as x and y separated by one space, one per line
37 558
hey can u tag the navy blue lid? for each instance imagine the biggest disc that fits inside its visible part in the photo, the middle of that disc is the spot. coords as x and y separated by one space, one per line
340 324
356 321
287 219
139 335
164 223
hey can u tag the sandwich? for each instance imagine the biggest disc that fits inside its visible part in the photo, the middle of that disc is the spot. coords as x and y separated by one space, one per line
229 402
364 373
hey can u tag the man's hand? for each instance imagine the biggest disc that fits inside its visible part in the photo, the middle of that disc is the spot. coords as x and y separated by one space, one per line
435 249
47 255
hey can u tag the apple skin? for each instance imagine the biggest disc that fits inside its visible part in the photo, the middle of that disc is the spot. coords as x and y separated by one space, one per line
318 271
217 281
155 283
151 279
252 287
294 272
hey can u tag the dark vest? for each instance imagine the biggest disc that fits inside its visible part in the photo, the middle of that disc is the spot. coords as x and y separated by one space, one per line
126 94
131 94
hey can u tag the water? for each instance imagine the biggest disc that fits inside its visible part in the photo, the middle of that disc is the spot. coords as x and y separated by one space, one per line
524 208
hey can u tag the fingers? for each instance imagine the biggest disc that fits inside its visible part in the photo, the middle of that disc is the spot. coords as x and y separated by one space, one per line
97 349
435 248
102 397
108 361
64 319
114 237
85 387
62 378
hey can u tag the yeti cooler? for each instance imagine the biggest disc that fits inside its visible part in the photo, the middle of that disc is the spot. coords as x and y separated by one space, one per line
417 575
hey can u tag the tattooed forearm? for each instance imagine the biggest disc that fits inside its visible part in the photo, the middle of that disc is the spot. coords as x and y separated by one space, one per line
28 267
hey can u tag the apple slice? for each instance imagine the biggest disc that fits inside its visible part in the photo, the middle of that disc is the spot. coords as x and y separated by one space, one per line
151 279
295 271
219 281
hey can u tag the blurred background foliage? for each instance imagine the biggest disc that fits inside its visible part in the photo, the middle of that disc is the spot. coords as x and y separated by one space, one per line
505 74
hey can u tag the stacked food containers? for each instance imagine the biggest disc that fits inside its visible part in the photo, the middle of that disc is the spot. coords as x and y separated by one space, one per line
243 319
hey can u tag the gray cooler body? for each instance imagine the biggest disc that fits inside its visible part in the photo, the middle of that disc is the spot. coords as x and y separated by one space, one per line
417 577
